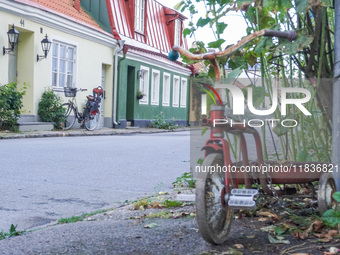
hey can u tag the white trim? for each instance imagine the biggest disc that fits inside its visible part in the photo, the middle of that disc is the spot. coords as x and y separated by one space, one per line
159 62
145 79
155 101
166 90
58 21
177 32
176 91
184 92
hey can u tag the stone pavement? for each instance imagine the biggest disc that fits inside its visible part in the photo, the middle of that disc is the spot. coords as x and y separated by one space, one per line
82 132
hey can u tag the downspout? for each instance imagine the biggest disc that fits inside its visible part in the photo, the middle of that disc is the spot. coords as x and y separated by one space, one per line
115 83
336 97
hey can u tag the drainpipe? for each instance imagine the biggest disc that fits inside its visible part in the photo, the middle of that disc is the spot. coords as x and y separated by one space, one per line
115 83
336 101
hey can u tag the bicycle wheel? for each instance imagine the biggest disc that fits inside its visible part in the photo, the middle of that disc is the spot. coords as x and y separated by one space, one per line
70 116
213 218
91 121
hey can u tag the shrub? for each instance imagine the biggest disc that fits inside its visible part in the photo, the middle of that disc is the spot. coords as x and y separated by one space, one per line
50 108
10 105
161 123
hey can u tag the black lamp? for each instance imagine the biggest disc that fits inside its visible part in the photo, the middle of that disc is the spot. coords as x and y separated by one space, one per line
46 46
13 35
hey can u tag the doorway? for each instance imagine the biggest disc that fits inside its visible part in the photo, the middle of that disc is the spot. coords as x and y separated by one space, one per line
130 92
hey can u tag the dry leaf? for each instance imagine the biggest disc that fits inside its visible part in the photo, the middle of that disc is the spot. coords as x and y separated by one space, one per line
238 246
262 219
269 214
324 240
331 233
151 225
301 254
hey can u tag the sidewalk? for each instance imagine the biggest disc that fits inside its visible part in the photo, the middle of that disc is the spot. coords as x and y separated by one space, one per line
83 132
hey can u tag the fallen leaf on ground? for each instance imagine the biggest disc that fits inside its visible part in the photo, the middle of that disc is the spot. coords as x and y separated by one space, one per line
268 229
250 237
324 240
262 219
151 225
269 214
274 240
238 246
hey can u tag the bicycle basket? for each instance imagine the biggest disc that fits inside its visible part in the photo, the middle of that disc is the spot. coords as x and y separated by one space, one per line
70 92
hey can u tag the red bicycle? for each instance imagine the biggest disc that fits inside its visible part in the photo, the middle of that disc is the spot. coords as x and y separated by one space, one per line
218 191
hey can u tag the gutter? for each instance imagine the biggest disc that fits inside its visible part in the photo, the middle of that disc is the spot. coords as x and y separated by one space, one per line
115 83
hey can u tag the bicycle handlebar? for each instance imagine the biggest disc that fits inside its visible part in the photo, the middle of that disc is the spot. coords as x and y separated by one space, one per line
174 53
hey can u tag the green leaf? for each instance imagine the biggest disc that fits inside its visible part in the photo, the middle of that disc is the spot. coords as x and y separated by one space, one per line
303 156
236 72
202 22
280 130
331 217
220 27
186 32
336 196
216 44
204 130
178 5
302 5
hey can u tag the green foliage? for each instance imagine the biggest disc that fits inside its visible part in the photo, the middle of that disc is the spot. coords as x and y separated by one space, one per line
12 232
301 64
332 216
186 179
10 105
161 123
172 203
79 218
50 108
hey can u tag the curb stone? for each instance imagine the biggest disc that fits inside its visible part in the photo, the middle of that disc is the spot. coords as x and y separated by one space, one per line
82 132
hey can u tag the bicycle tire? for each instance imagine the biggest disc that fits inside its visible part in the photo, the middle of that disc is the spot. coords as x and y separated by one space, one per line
70 116
213 218
91 121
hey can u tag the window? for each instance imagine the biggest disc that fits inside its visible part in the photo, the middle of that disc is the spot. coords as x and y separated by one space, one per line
177 36
175 92
155 87
139 15
166 89
183 92
63 64
144 85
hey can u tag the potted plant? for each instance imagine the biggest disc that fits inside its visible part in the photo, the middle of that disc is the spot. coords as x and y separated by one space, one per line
140 94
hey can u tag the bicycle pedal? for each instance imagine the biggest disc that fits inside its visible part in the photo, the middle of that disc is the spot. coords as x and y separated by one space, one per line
242 199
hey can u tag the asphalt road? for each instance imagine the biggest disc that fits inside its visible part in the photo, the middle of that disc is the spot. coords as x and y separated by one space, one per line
45 179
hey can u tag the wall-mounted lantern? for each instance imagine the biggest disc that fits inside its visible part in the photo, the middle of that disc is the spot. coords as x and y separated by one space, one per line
13 35
140 74
46 46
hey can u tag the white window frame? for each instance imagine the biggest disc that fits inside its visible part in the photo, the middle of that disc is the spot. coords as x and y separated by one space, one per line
184 89
177 31
175 91
144 85
154 95
56 71
139 15
166 89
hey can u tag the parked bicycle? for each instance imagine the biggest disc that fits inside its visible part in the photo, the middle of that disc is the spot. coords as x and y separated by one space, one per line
91 114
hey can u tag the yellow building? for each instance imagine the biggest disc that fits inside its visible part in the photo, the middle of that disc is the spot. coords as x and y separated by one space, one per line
81 53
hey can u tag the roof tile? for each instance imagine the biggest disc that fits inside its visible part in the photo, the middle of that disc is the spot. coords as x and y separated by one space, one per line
66 7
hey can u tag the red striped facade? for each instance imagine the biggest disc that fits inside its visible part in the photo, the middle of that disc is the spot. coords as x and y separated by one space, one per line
159 23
